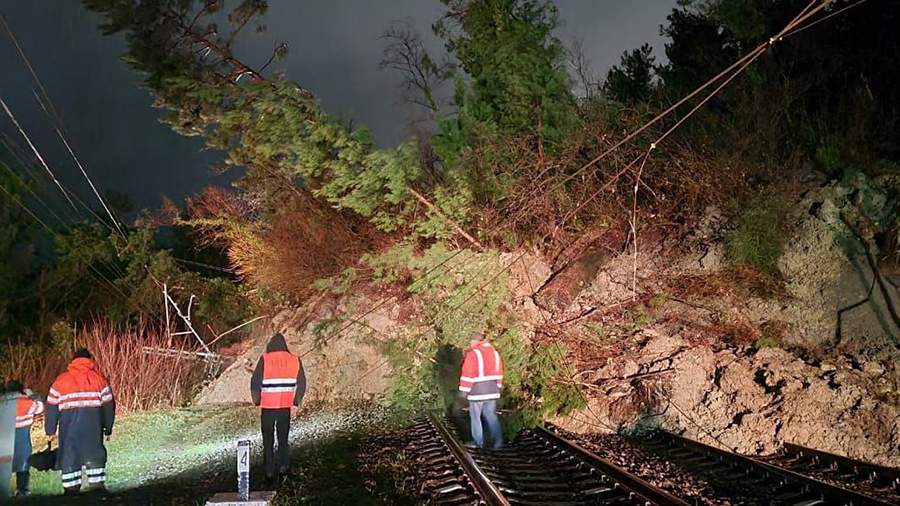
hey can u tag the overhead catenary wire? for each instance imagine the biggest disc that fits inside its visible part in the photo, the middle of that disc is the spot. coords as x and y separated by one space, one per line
804 15
36 152
857 3
34 194
25 61
24 164
65 142
734 70
56 120
94 272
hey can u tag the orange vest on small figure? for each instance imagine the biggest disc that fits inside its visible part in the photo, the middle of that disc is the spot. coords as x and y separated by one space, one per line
26 411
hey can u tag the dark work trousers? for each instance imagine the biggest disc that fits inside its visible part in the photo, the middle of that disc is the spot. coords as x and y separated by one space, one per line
275 420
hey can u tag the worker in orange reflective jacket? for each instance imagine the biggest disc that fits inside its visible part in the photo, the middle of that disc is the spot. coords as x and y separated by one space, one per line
277 386
81 405
481 381
28 407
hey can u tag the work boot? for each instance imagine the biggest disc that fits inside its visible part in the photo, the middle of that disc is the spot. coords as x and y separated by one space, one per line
72 490
22 489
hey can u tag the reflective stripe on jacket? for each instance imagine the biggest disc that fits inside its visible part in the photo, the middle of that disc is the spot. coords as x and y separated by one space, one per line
482 373
82 408
26 409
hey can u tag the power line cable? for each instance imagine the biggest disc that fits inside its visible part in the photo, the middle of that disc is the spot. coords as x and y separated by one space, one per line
93 270
36 152
65 142
807 12
825 18
56 120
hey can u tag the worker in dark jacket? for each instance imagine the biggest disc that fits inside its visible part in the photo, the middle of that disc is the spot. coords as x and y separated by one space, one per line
81 405
28 407
277 386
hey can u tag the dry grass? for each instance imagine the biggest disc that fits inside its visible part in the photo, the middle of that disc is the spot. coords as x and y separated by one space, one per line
284 250
140 380
35 366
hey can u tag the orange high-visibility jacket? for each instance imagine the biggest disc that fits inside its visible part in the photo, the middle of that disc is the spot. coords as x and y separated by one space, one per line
280 370
82 409
278 381
26 409
482 373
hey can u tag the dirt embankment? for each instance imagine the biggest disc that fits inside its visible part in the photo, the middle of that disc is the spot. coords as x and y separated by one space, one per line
341 356
702 350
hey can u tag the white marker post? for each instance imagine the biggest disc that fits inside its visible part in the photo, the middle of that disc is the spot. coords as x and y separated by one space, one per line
243 496
243 469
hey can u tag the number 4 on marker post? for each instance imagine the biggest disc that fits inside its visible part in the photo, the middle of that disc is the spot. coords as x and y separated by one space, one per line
243 469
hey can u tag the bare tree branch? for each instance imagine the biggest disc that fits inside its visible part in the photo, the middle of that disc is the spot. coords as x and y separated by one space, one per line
580 64
422 75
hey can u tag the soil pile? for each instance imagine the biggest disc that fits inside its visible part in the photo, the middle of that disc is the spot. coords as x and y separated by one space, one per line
340 351
743 399
713 352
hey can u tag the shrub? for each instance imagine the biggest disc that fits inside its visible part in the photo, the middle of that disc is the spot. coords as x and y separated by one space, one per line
286 251
766 342
35 366
468 293
140 380
759 234
143 380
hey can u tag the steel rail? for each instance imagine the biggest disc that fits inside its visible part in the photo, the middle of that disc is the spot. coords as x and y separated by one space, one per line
643 488
832 494
486 489
541 467
794 455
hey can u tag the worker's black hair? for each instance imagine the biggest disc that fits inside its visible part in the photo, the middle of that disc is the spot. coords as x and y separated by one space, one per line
14 386
82 353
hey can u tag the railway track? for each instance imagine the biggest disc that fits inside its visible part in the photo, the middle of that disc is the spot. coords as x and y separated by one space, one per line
541 467
537 468
794 477
862 476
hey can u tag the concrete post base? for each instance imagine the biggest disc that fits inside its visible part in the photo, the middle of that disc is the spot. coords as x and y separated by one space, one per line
231 499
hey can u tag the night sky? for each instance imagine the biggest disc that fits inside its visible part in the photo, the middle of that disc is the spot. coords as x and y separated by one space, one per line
334 52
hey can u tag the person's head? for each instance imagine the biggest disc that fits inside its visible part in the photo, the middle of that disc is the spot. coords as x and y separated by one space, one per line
277 343
82 353
14 386
476 338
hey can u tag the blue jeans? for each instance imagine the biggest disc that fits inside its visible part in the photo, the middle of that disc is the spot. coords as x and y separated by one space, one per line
22 450
485 411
